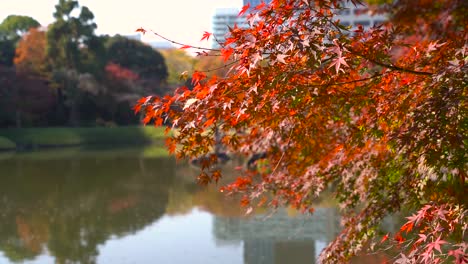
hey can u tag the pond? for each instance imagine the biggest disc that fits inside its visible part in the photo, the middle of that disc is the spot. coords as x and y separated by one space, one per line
138 206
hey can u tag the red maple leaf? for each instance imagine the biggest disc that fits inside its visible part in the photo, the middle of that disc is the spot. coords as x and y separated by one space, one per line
206 36
384 238
260 6
226 53
198 76
436 245
244 9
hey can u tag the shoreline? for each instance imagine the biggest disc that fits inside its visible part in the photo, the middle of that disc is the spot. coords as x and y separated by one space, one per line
28 139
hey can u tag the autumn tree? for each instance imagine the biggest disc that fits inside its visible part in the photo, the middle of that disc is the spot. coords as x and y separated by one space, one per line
213 64
377 115
26 98
131 70
179 63
120 89
30 55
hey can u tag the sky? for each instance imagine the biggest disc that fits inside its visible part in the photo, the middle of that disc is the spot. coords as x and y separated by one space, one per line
180 20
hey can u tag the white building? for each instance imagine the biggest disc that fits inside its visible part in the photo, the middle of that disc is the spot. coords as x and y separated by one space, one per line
223 19
359 15
350 16
134 37
161 45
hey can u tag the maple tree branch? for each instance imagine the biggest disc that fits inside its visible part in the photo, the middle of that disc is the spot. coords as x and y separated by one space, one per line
217 41
391 66
358 80
221 67
183 45
397 68
282 154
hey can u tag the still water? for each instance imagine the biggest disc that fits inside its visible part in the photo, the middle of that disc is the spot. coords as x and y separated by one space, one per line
137 206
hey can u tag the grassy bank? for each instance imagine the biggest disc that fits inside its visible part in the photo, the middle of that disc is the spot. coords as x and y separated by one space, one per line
30 138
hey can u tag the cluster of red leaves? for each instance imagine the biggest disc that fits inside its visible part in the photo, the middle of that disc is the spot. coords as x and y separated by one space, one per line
435 226
379 114
118 72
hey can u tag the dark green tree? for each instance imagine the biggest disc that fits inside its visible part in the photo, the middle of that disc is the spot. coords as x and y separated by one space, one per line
11 30
68 35
132 70
7 52
68 38
14 26
138 57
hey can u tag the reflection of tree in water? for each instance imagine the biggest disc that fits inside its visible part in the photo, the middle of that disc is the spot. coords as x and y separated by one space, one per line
72 206
185 193
279 238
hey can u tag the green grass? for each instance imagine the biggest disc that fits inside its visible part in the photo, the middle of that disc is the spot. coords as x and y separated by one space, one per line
6 144
111 152
66 136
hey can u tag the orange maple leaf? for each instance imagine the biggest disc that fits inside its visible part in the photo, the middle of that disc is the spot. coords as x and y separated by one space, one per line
209 122
142 30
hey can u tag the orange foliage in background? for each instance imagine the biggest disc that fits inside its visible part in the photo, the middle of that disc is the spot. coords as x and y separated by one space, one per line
31 53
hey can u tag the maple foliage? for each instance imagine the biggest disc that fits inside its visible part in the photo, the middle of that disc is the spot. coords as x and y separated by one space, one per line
378 115
435 224
213 64
118 72
31 53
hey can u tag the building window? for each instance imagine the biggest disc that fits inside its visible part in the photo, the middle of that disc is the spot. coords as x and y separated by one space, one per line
379 22
344 12
360 11
363 23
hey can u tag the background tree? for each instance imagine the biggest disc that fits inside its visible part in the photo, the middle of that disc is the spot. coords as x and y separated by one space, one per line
25 100
133 69
14 26
67 37
7 52
142 59
213 64
378 115
121 90
178 62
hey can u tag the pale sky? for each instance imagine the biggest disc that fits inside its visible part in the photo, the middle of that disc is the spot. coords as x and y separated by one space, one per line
180 20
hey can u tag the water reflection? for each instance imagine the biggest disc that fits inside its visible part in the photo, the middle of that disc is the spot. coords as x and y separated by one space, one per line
280 237
124 206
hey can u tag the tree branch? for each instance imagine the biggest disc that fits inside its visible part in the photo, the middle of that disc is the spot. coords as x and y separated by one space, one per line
391 66
181 44
221 67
